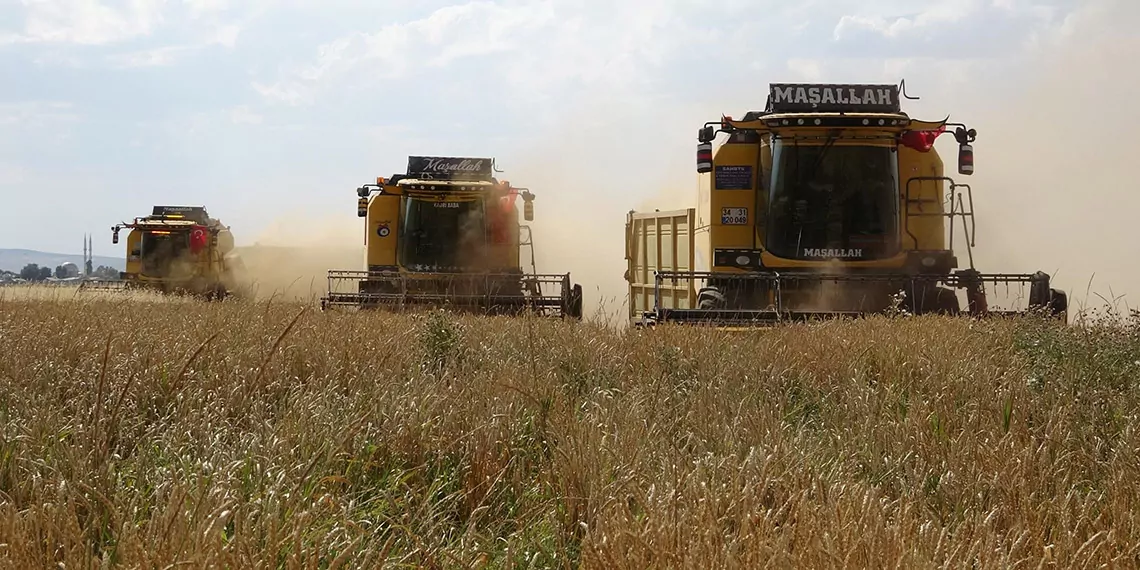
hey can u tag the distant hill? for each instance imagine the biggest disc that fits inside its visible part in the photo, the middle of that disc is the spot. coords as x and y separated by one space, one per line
15 259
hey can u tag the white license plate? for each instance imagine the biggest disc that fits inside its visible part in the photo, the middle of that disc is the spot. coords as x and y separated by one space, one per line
734 216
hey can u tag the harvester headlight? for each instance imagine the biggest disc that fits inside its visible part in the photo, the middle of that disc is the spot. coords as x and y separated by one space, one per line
743 259
928 261
817 121
866 122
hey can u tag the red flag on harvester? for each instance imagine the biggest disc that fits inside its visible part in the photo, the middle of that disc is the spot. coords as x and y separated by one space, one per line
199 239
498 221
922 141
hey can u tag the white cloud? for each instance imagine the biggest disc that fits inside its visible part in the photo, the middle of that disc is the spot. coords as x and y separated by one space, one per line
168 55
447 35
59 24
805 69
13 174
35 113
941 13
226 35
243 115
151 57
537 48
87 22
199 8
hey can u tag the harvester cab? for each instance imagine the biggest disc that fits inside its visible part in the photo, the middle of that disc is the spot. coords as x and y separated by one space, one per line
447 233
832 201
176 249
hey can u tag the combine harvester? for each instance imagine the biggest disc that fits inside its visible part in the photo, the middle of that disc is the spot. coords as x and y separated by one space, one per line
447 234
829 203
176 249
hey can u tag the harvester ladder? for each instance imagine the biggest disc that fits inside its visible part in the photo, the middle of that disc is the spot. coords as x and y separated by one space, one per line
527 240
958 201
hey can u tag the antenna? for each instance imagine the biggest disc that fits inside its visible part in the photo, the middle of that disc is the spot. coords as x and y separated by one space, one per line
902 88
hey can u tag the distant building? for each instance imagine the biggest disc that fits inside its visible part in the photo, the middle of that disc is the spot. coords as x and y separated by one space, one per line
69 270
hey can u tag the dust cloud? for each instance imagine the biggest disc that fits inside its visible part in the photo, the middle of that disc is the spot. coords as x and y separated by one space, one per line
586 174
291 257
1055 183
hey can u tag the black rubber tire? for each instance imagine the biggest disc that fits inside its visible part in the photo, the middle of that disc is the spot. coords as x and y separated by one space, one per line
933 300
946 302
576 302
1058 304
710 298
1039 292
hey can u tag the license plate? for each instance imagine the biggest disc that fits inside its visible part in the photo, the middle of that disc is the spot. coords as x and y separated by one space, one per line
734 216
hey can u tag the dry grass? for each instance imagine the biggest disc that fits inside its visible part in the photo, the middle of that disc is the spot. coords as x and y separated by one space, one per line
254 434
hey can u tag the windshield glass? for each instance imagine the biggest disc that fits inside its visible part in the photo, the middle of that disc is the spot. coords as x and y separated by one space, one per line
833 201
441 234
160 249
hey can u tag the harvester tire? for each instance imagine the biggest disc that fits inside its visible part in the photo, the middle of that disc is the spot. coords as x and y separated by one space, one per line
710 298
1039 292
1059 304
932 300
576 302
946 302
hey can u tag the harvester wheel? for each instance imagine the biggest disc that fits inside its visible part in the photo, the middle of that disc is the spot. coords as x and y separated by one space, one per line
1059 304
711 298
935 300
946 302
576 302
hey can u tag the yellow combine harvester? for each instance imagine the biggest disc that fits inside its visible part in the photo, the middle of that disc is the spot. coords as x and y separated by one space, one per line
176 249
447 233
830 202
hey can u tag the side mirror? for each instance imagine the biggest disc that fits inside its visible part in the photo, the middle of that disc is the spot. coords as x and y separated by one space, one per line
528 206
704 158
965 150
965 159
362 191
706 134
114 235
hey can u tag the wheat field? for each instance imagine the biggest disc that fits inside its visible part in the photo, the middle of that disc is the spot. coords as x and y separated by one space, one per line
139 433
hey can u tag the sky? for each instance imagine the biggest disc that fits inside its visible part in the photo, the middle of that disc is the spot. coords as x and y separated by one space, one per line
271 113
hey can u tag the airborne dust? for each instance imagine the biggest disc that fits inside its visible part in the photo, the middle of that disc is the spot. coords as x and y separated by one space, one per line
1053 190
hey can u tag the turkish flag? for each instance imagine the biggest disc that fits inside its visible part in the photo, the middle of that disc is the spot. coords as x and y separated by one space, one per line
498 219
199 239
508 201
922 141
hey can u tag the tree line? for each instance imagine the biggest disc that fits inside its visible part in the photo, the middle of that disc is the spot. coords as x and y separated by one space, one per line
33 272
